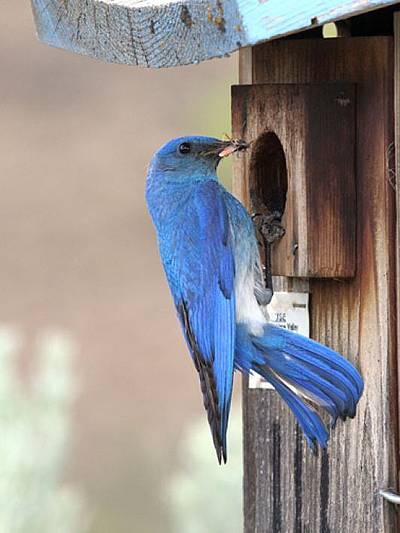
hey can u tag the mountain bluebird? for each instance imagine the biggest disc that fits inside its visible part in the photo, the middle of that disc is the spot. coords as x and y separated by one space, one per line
210 255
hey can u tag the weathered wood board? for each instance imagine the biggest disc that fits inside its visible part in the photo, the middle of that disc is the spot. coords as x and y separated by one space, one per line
297 167
163 33
393 160
286 488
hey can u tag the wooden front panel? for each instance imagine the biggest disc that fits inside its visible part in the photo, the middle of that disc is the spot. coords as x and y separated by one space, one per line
286 488
314 126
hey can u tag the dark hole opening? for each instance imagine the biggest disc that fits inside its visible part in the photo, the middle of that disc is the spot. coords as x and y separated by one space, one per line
268 175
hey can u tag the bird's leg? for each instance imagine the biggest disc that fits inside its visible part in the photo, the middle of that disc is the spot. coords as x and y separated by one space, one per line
270 229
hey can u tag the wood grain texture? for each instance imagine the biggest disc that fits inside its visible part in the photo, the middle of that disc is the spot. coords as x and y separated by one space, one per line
394 162
163 33
296 154
286 489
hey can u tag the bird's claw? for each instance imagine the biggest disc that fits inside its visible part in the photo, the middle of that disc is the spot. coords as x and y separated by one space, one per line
269 226
270 229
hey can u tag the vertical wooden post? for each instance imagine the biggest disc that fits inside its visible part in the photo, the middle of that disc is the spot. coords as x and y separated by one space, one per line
394 170
286 488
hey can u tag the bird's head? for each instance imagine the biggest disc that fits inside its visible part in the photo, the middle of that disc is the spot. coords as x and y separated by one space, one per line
191 156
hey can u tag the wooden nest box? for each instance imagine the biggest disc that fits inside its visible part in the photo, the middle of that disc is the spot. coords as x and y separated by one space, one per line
323 115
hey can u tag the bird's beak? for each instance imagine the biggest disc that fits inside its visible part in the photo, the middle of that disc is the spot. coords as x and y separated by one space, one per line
231 146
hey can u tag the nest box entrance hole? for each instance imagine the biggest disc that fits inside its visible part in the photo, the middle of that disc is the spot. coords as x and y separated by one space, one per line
268 176
268 191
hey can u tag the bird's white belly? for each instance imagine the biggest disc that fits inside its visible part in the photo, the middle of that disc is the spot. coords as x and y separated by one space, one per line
247 309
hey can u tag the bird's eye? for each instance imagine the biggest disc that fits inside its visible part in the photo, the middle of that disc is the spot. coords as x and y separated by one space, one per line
184 148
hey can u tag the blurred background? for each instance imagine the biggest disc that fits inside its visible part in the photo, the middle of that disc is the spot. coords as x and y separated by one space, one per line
102 428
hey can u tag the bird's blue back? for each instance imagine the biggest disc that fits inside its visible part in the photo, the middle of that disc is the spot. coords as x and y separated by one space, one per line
209 252
189 210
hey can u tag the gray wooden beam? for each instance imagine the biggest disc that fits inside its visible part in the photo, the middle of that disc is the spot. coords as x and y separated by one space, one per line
162 33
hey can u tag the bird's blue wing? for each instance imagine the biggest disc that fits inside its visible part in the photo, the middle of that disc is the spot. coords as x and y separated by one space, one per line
203 288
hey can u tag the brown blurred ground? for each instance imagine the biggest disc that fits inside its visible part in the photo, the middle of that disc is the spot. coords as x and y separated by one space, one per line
78 251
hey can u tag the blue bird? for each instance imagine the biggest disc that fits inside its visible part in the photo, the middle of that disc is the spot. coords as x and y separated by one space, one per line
210 255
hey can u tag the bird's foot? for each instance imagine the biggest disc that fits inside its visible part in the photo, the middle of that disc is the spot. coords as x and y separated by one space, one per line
269 226
270 229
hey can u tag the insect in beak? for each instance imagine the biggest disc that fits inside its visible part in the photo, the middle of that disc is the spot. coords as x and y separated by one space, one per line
233 145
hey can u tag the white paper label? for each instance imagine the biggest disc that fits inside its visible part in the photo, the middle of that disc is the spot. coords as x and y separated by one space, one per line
288 310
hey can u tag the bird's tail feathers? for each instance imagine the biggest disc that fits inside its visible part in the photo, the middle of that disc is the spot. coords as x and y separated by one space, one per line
303 372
